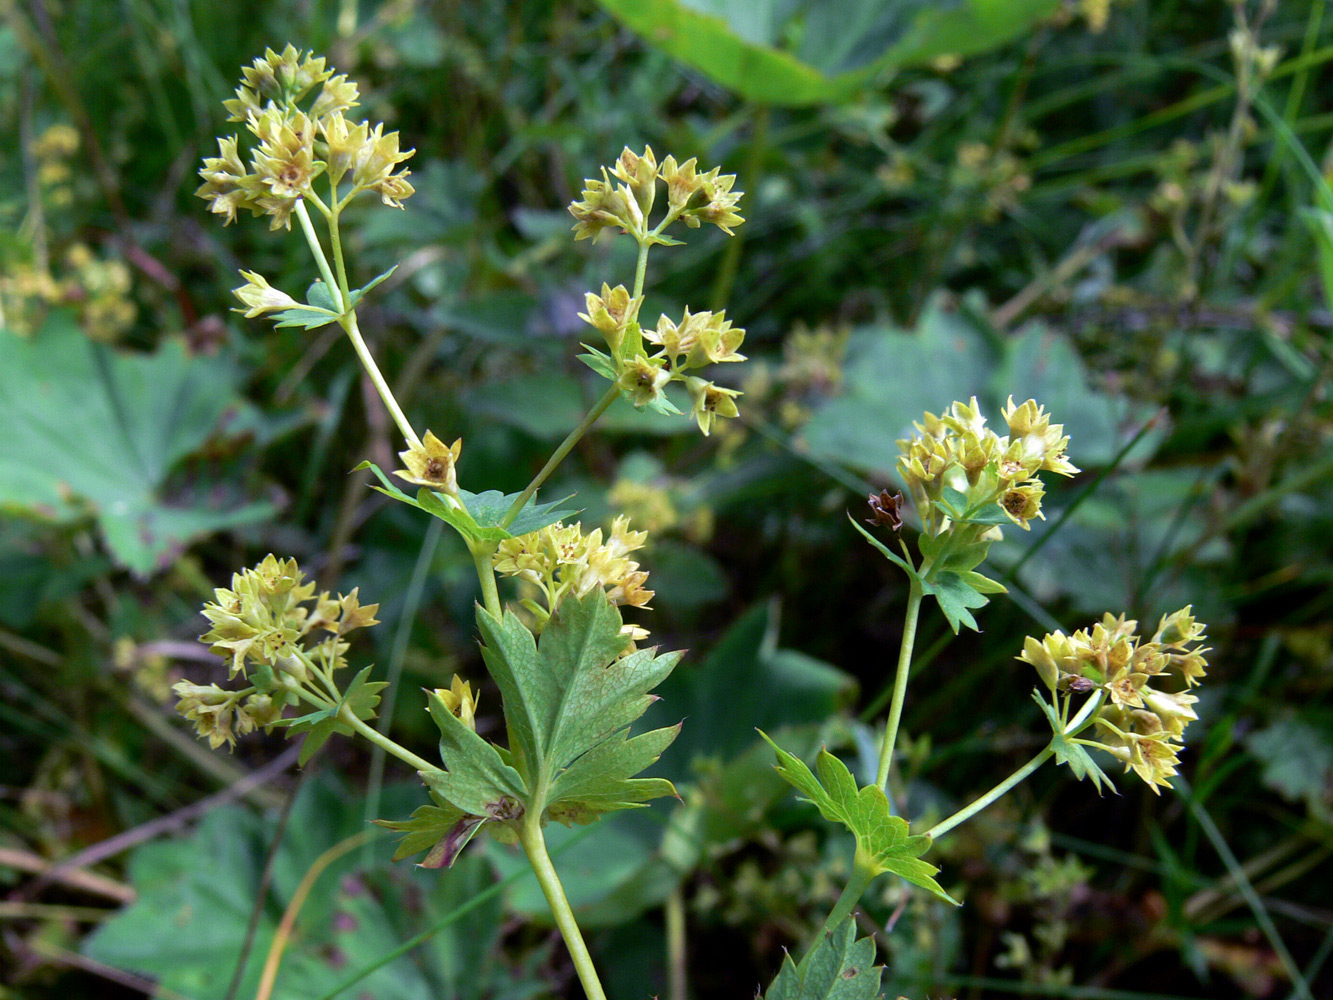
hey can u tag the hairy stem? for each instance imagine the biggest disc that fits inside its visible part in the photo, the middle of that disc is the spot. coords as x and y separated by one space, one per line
899 685
566 446
534 846
966 813
383 742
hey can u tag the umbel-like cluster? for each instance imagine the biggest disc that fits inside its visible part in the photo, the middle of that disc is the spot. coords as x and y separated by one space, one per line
293 147
698 339
277 635
562 560
958 451
1139 723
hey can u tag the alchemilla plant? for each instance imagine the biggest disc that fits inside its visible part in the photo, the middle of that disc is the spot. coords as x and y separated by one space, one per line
573 675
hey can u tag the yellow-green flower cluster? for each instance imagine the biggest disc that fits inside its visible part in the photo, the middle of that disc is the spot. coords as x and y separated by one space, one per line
295 146
1139 723
958 451
100 289
272 629
698 339
561 559
692 197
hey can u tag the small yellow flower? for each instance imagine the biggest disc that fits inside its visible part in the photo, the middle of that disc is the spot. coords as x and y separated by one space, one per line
644 378
639 172
710 401
433 464
611 313
460 701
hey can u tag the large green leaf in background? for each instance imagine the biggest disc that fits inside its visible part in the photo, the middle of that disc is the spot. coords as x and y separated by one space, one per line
195 896
799 52
87 428
893 376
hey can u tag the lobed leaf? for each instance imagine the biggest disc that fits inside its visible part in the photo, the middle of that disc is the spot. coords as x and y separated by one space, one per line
476 779
569 700
1071 752
839 968
881 837
476 516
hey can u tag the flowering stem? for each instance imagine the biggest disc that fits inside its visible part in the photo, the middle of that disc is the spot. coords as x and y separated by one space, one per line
899 684
641 268
338 287
966 813
558 456
312 238
481 555
534 846
386 394
346 715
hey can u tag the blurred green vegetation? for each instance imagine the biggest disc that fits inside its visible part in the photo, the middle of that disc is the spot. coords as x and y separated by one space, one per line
1117 206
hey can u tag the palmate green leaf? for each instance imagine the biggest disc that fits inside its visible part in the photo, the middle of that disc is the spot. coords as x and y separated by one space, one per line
956 594
953 504
839 968
603 364
306 317
357 294
572 693
361 697
478 520
476 779
92 432
603 781
1067 751
881 838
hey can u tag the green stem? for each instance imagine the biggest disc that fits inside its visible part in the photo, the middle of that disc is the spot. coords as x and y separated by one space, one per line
316 248
899 684
966 813
534 846
677 955
381 386
335 237
862 875
348 321
490 596
641 268
559 455
346 715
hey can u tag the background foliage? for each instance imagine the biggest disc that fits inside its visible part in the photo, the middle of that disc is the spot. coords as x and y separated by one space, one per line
1113 205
